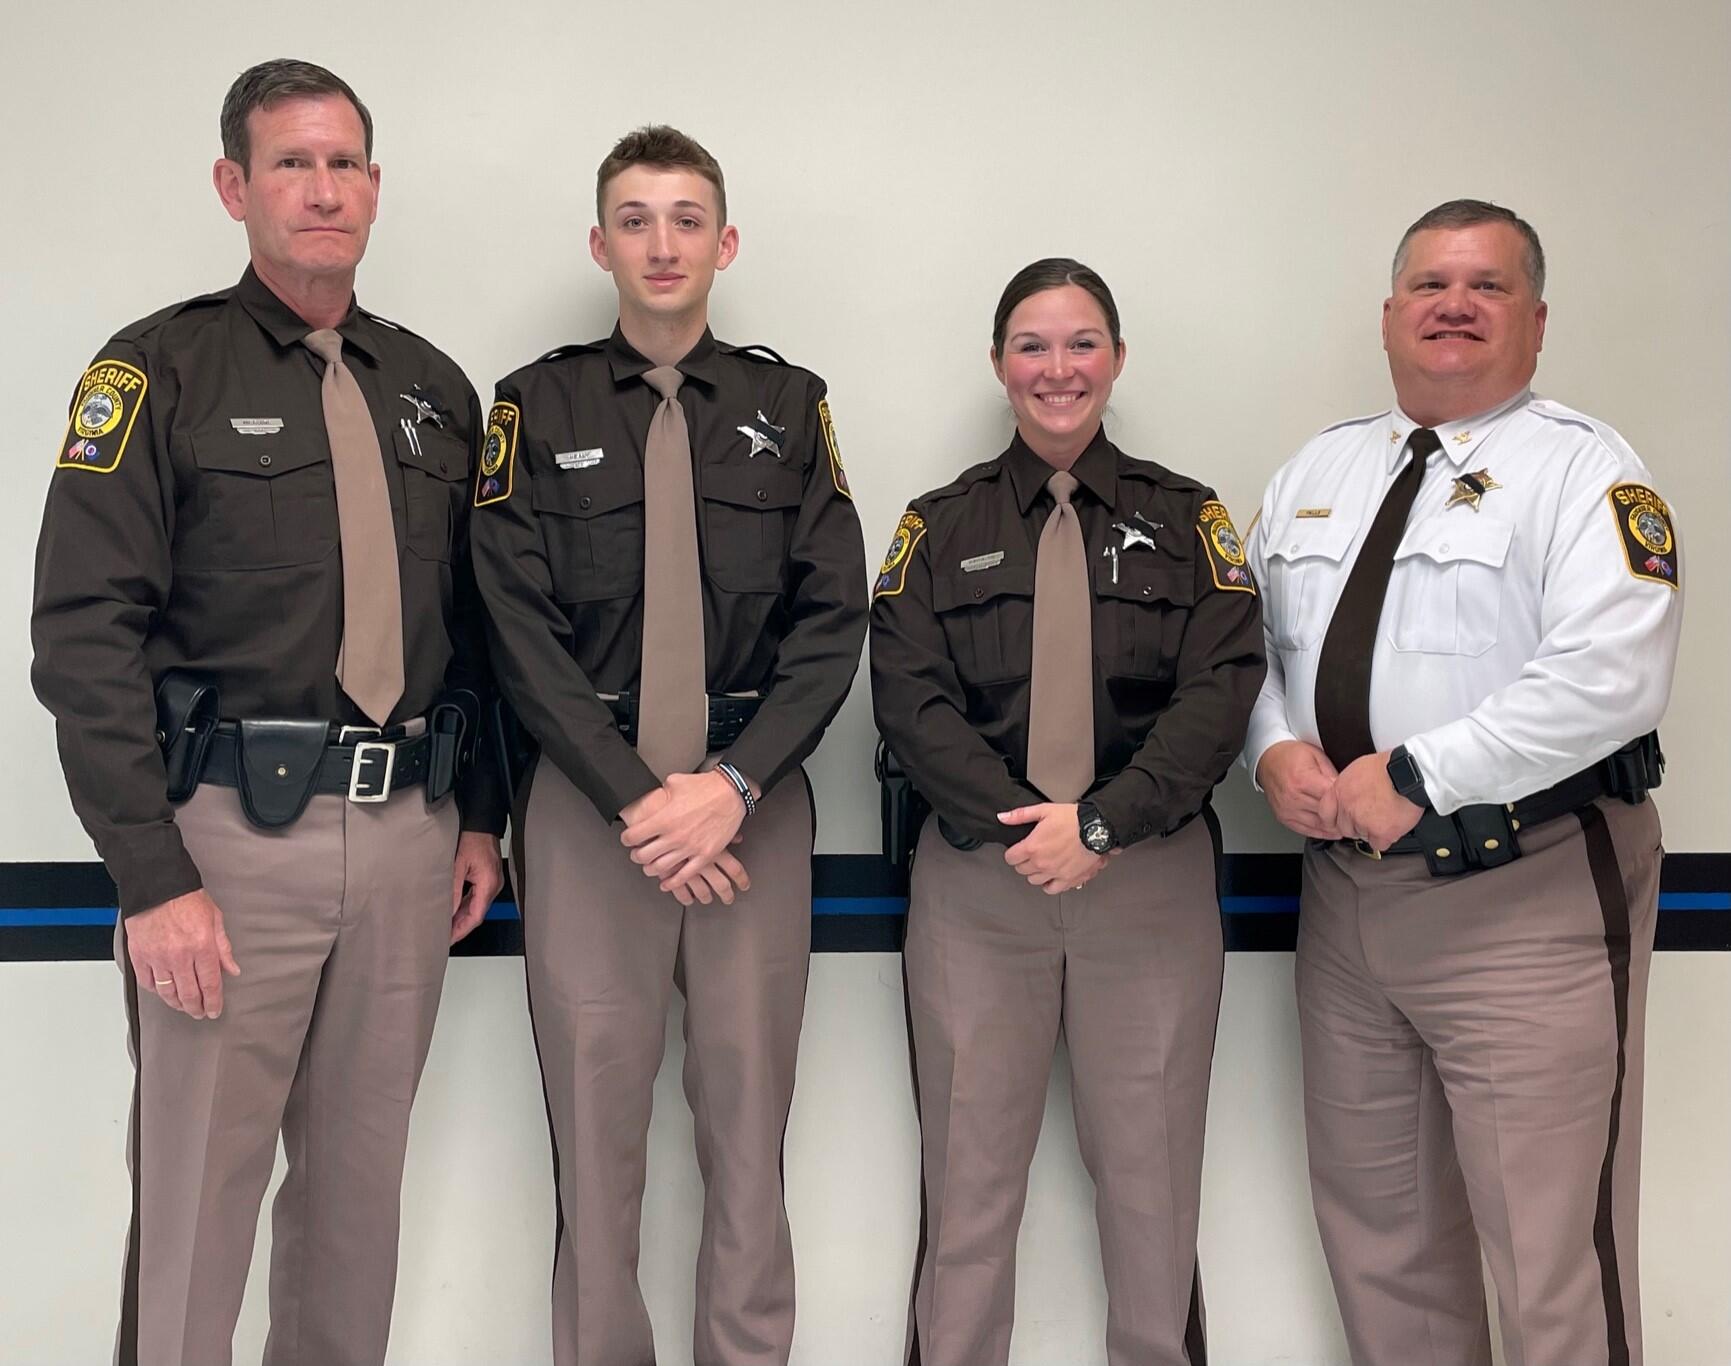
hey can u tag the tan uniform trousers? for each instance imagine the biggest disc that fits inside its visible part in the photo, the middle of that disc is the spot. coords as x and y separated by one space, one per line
1472 1076
340 924
1129 968
604 949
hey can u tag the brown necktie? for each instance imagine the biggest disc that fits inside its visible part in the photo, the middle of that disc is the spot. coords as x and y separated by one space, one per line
1061 706
1343 667
370 659
672 704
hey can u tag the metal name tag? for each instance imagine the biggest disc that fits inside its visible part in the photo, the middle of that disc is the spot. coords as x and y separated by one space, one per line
256 426
974 563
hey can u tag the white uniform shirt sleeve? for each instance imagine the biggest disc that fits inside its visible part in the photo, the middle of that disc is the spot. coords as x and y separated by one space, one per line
1268 721
1602 672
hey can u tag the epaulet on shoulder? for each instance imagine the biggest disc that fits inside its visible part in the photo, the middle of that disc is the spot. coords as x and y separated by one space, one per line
1156 473
763 355
569 349
1560 412
138 330
390 323
1354 421
965 480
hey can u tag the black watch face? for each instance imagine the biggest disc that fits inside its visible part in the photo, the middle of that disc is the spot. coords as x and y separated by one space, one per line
1097 836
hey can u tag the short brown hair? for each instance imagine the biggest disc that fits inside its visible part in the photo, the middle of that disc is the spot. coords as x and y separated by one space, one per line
1469 213
268 83
1053 272
661 148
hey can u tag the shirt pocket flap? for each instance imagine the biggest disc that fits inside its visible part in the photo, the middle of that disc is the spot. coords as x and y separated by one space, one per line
586 493
433 452
222 448
1145 578
950 591
1306 538
758 486
1451 539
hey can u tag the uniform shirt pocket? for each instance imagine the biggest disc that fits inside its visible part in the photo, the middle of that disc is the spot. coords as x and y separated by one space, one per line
257 502
592 523
988 621
1142 613
1445 595
748 513
435 469
1304 579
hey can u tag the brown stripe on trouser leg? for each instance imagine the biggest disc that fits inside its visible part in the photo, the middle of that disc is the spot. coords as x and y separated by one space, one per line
1504 978
603 944
1131 967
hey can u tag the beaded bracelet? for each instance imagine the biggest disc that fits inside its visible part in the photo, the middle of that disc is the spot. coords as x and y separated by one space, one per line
734 776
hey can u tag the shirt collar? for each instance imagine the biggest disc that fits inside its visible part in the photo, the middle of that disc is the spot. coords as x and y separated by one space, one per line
1096 469
287 328
627 362
1461 438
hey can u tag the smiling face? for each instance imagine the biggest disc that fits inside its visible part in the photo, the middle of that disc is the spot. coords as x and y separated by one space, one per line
1057 368
1463 328
662 240
310 196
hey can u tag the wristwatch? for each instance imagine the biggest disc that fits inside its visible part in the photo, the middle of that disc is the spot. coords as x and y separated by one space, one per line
1097 833
1403 772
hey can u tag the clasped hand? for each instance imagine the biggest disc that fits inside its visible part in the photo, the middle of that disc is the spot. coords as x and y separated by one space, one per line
1310 797
679 835
1051 855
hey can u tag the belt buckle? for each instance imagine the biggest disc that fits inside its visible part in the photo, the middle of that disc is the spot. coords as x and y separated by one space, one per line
344 735
368 752
1366 849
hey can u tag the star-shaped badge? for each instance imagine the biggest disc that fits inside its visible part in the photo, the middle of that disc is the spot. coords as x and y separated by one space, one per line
1471 488
764 434
1134 535
426 410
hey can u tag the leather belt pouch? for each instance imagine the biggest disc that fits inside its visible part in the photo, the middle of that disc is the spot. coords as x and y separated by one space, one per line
451 728
187 706
278 766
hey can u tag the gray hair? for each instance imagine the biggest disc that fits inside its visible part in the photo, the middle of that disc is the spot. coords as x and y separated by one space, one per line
268 83
1469 213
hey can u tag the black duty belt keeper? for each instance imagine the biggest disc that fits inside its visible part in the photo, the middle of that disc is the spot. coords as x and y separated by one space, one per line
279 764
1487 835
728 716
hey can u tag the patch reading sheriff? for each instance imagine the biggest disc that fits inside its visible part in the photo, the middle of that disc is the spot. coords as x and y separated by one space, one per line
1649 542
498 455
894 575
836 472
1224 549
103 411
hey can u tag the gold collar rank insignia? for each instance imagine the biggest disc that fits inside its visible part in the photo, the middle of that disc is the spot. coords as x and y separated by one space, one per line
1461 438
893 577
1471 488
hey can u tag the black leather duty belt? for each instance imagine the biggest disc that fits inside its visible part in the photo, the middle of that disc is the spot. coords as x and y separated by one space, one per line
1471 838
361 763
728 716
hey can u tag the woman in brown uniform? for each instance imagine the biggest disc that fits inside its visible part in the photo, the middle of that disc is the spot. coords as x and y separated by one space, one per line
1066 645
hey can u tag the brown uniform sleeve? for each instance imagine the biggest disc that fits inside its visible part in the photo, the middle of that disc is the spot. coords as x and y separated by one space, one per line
532 641
102 573
826 609
920 704
1221 664
481 796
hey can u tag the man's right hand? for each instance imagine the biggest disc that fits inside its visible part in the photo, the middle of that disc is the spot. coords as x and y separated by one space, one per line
719 881
1295 777
180 952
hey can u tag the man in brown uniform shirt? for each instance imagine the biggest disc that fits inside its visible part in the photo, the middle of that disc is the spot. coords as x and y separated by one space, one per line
193 524
597 523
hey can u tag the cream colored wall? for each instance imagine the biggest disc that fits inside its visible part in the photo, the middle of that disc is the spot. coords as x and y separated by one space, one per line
1239 173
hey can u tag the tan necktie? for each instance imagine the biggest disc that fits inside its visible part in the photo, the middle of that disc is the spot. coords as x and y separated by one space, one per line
672 702
1061 705
370 660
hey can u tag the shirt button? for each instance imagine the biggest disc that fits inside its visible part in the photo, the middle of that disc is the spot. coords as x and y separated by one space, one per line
762 496
444 467
979 592
1444 547
264 460
1294 547
1147 592
584 502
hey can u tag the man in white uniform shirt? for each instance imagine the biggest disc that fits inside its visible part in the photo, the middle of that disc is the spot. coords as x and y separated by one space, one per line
1472 604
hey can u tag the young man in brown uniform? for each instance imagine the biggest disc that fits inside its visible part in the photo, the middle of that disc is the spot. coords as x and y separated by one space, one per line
673 569
267 487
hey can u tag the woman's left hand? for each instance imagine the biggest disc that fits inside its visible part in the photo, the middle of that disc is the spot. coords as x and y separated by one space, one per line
1051 856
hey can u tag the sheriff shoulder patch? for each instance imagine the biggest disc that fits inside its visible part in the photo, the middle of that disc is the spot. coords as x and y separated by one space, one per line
498 455
1224 550
836 472
1649 541
894 575
103 411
